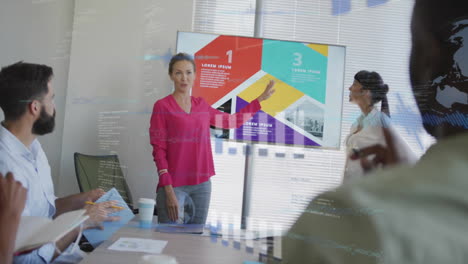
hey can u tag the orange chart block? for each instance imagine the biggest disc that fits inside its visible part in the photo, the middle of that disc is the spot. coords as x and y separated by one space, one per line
284 95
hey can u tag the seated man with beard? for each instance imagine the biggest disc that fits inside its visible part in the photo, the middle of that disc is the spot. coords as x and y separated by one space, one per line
27 100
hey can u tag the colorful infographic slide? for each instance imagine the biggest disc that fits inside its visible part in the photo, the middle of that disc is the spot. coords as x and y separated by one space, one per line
306 108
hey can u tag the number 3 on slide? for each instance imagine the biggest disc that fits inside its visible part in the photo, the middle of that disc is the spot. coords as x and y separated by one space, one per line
297 59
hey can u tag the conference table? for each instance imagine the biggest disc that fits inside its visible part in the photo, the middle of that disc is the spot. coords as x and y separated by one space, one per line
186 248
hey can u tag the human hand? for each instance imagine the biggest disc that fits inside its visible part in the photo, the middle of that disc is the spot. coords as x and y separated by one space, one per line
382 156
95 194
12 196
268 91
99 213
172 204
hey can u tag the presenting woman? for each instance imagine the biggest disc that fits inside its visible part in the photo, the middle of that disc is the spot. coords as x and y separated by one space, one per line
180 135
368 89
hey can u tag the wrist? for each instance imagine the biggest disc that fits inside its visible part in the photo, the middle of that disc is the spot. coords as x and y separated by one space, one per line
88 196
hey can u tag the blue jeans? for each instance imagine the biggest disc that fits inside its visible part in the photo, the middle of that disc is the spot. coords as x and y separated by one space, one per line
194 201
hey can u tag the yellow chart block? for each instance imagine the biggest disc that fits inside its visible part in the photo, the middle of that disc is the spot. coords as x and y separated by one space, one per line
284 95
322 49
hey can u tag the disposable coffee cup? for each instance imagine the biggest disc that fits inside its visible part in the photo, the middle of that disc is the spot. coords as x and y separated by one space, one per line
157 259
145 210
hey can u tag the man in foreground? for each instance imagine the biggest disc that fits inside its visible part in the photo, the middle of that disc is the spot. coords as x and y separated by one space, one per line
12 200
406 215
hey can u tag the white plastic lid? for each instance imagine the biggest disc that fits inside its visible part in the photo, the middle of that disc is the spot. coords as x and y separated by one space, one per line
147 201
159 259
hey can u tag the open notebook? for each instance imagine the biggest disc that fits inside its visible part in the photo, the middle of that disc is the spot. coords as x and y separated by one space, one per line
35 231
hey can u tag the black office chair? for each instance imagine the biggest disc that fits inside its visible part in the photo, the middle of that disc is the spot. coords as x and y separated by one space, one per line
101 172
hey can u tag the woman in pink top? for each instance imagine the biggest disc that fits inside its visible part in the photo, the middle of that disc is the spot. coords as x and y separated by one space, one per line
180 135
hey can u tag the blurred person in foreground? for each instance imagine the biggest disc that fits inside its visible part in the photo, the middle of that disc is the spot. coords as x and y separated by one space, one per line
406 215
12 200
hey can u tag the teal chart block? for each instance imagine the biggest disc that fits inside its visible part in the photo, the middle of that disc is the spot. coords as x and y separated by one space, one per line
297 65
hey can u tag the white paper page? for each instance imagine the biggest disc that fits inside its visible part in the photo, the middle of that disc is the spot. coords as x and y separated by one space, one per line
151 246
35 231
61 225
28 227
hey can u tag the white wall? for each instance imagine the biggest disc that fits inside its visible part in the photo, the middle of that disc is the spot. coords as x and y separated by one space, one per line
108 72
39 31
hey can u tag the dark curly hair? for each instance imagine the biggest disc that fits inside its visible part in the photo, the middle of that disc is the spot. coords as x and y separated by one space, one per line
373 82
20 83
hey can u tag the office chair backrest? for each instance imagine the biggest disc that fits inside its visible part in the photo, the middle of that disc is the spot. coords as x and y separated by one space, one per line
101 172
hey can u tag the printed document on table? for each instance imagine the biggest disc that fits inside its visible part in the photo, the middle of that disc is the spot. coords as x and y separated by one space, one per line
151 246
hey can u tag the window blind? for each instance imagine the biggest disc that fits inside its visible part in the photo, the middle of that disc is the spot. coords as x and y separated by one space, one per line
282 179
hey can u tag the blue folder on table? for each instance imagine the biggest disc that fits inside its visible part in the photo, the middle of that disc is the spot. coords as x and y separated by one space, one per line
95 236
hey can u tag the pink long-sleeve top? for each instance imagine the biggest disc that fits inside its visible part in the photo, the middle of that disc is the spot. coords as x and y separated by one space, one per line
181 141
